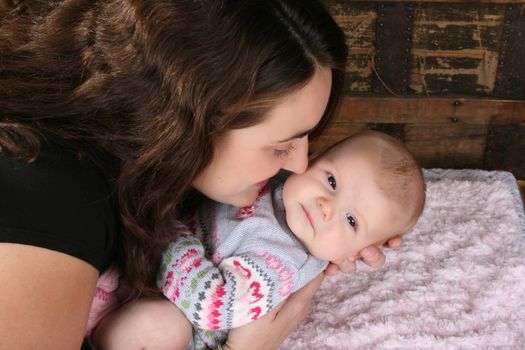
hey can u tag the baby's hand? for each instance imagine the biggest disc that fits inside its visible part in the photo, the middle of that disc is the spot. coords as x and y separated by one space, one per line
371 255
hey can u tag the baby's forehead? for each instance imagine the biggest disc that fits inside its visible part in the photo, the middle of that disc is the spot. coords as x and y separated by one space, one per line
353 147
350 163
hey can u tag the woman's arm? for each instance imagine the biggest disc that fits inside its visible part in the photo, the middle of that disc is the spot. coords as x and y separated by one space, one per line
268 332
45 298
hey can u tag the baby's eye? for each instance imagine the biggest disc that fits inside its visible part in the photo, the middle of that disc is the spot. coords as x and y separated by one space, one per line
331 181
351 220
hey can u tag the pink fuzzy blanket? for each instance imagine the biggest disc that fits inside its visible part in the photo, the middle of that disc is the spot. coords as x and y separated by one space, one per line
457 282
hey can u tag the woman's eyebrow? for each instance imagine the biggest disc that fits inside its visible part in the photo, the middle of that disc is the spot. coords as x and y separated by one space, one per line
296 136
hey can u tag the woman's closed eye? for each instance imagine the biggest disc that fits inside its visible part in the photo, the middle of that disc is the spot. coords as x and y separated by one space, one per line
282 153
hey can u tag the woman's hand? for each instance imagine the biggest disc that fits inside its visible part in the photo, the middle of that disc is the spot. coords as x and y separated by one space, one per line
268 332
371 255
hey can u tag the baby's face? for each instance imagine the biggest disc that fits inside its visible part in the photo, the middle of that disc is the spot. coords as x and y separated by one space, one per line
336 209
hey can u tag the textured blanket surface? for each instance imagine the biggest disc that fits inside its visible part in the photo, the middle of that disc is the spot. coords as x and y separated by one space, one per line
457 282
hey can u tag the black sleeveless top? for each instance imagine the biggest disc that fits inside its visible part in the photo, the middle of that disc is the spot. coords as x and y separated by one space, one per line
61 202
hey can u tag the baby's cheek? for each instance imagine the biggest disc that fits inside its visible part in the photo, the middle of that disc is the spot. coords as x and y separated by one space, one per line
341 254
354 252
322 253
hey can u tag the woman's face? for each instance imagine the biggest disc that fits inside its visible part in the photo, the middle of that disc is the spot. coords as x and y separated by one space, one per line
246 158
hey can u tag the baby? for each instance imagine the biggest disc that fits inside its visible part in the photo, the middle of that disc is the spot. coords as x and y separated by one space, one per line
360 192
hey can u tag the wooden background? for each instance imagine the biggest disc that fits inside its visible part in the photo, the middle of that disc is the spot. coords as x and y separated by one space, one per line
447 77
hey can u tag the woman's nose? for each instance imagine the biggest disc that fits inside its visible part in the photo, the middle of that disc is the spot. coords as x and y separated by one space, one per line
325 207
297 161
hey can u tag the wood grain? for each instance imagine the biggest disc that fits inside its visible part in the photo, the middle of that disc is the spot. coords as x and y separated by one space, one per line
436 110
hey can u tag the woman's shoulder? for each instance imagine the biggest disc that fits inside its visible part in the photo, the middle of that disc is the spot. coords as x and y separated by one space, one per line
59 201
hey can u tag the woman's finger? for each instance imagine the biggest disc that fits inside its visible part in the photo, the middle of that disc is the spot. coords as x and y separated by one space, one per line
373 257
331 269
394 242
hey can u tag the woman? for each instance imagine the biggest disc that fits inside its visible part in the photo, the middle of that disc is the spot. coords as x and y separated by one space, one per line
110 112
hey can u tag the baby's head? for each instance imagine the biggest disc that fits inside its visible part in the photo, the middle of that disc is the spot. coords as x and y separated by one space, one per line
361 192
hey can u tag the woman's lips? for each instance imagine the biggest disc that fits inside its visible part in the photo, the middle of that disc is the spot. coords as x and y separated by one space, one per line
308 216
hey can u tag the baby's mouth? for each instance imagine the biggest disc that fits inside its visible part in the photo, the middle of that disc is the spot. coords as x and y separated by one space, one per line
308 216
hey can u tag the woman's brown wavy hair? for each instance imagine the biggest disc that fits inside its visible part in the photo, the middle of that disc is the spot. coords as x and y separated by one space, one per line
155 83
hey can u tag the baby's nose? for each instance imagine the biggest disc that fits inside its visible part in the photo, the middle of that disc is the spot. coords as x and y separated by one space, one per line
326 207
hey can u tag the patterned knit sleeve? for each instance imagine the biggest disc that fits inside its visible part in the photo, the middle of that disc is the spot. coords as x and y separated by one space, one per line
240 290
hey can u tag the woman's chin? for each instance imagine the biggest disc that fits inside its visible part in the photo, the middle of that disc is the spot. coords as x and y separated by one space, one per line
244 199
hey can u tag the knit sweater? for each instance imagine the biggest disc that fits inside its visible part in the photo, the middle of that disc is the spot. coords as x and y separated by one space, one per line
231 266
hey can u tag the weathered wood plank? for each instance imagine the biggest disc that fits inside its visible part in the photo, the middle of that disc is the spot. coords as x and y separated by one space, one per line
457 35
511 67
447 145
391 62
455 48
358 22
380 109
